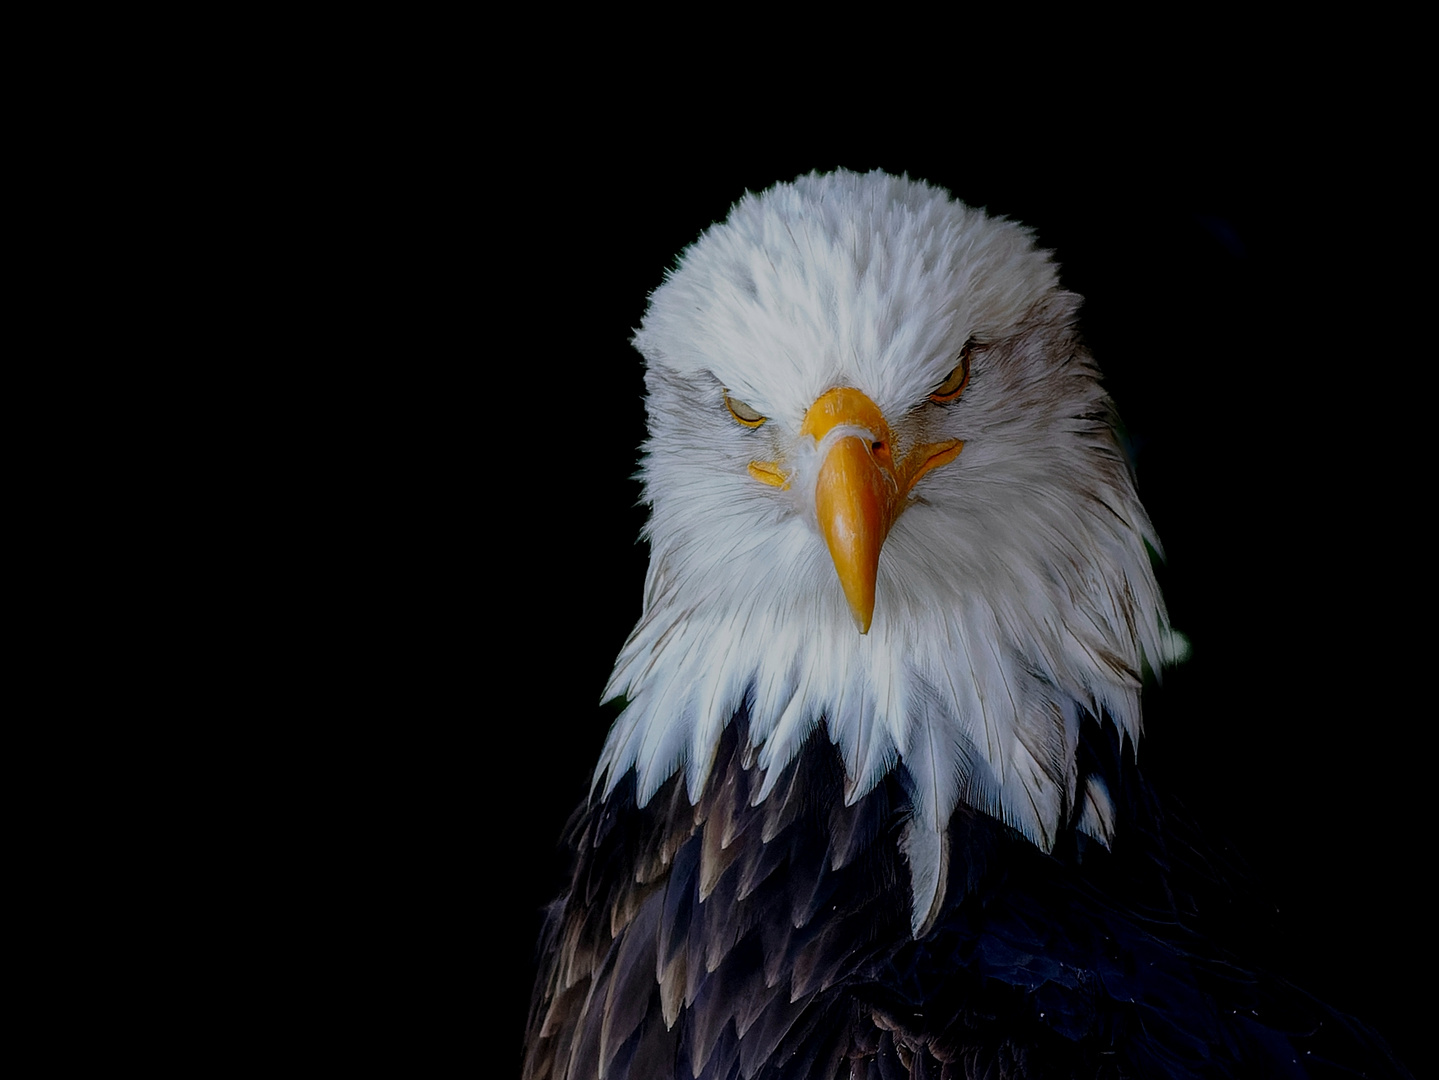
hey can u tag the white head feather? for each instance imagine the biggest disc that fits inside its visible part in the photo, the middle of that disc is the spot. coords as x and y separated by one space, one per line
1015 591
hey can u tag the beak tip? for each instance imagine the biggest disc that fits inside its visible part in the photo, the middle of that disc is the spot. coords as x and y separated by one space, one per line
862 618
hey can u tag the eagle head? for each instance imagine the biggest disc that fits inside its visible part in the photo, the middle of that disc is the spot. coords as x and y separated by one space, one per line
887 497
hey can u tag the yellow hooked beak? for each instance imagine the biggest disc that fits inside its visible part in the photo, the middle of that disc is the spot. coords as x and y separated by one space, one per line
861 490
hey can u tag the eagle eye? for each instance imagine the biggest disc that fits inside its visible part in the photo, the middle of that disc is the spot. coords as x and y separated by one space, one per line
957 380
742 412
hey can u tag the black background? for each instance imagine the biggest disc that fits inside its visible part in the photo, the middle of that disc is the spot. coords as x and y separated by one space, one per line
1244 277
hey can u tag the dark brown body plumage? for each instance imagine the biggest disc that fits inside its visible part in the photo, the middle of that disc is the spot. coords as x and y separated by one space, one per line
726 940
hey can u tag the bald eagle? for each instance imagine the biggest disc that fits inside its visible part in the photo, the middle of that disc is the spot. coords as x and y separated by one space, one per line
871 807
